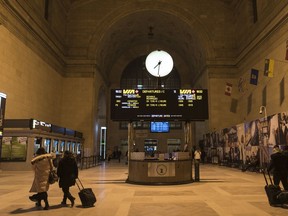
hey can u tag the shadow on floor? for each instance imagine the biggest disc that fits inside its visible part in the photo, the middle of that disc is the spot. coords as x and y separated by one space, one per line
35 208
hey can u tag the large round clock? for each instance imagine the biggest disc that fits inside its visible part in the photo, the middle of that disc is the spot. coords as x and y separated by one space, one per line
159 63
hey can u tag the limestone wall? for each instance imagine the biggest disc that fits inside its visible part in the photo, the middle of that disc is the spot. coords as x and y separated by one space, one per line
35 90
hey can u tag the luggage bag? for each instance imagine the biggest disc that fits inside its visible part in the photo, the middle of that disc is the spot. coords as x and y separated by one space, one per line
86 195
272 191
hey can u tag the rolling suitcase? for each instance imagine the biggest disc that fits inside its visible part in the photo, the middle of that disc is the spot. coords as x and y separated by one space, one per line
272 191
86 195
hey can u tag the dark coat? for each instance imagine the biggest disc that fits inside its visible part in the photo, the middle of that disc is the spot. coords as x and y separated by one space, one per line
285 153
278 164
67 172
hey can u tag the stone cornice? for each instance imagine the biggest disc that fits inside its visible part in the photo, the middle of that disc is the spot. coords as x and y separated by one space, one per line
217 68
269 30
221 68
84 68
33 33
80 68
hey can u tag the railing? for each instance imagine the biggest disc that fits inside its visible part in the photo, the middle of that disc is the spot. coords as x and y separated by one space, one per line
88 162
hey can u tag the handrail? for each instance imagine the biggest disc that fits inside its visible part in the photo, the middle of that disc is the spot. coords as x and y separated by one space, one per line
88 162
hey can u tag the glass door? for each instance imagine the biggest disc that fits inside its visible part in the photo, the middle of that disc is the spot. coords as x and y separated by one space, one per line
103 143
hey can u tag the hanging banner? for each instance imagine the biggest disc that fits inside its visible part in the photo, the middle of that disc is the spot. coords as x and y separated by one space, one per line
286 56
228 89
269 68
254 77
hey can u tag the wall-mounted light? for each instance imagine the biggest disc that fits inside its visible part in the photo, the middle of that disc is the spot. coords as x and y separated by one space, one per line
263 108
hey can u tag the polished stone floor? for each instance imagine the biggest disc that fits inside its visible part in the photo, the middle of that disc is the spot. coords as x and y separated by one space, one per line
222 191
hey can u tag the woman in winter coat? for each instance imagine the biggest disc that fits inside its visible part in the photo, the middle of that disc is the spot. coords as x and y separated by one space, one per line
67 172
41 164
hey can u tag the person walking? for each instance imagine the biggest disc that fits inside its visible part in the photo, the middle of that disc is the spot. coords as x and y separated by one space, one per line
41 164
285 153
109 154
67 172
119 153
197 159
197 155
278 165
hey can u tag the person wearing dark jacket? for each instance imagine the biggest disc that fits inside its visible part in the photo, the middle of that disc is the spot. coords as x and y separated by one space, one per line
67 172
278 164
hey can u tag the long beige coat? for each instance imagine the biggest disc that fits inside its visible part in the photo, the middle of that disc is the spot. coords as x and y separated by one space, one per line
41 166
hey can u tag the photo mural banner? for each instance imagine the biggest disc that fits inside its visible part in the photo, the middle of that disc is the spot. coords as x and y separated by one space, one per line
240 143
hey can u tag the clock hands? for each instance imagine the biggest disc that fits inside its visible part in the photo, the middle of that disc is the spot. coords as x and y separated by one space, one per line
158 65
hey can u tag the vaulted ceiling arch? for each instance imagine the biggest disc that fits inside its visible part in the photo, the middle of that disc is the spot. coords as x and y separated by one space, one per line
123 34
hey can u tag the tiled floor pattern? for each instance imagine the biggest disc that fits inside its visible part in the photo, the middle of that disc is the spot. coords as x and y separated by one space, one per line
222 191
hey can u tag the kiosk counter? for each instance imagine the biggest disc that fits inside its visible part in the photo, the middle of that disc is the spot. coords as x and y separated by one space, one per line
158 170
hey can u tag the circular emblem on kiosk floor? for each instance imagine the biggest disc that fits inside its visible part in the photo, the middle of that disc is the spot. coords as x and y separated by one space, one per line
161 169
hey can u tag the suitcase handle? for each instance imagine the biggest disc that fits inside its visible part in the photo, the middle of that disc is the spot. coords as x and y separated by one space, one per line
264 174
270 178
82 187
263 171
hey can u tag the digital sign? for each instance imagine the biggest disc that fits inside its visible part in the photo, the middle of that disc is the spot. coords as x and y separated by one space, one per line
154 104
159 127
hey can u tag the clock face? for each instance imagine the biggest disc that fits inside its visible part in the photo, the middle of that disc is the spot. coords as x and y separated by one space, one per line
159 63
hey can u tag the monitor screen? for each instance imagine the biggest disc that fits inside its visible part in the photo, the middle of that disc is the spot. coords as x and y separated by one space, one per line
159 127
159 104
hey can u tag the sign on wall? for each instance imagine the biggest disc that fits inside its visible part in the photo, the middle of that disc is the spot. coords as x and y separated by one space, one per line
14 149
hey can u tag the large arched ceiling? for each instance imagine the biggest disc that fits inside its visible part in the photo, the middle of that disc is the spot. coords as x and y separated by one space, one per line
115 32
129 38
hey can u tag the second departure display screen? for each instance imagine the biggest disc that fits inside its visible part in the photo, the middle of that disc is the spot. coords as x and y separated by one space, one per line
149 104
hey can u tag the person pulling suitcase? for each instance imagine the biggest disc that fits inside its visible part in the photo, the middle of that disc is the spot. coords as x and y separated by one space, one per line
278 165
276 196
67 172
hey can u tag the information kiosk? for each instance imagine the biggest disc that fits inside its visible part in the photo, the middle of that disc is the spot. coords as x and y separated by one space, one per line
159 105
161 169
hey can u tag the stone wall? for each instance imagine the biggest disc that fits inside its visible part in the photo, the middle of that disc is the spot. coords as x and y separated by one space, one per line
35 90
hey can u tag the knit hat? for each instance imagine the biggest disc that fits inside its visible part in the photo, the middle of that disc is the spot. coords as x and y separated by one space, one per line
276 149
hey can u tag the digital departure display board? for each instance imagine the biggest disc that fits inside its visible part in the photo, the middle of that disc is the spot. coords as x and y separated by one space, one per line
159 127
154 104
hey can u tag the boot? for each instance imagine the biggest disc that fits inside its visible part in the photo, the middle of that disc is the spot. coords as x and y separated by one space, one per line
64 201
35 198
38 203
71 198
68 195
44 196
46 207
